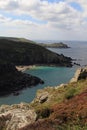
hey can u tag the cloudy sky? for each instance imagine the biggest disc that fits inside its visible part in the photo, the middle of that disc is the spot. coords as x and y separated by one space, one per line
44 19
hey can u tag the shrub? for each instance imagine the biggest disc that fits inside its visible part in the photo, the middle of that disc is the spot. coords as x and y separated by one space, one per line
70 93
44 112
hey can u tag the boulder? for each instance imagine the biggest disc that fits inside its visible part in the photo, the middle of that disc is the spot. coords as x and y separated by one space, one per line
43 97
16 117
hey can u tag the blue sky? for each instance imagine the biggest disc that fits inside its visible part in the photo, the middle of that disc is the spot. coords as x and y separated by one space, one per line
44 19
76 6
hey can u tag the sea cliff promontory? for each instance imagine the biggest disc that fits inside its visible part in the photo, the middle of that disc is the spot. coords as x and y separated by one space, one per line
23 52
26 52
54 45
12 80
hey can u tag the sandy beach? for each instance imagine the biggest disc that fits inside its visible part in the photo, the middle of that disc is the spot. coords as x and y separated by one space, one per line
23 68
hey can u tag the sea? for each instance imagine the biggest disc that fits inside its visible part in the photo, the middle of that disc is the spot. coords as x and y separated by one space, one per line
52 76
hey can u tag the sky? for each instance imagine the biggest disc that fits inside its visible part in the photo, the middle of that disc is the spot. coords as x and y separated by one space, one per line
44 19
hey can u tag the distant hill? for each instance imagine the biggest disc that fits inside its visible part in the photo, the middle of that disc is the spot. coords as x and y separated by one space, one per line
17 39
54 45
20 51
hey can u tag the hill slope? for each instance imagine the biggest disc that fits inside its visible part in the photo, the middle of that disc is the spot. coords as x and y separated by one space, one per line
63 108
25 52
12 80
54 45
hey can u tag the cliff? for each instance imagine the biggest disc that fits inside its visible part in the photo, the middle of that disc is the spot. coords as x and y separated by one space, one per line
62 107
81 73
16 116
20 51
12 80
26 52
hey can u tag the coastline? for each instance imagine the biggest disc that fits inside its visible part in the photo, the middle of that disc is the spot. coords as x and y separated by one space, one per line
48 99
13 81
23 68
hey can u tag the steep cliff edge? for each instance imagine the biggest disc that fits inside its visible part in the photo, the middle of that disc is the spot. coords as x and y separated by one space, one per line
81 73
16 116
54 108
12 80
19 51
25 52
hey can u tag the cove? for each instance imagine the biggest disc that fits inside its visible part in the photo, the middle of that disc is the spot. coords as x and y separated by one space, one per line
52 76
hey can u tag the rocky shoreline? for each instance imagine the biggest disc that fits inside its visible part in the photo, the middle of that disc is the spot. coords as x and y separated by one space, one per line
12 80
26 52
24 116
23 68
81 73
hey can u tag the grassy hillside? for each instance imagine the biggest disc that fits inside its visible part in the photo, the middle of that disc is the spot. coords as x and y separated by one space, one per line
25 52
65 108
57 108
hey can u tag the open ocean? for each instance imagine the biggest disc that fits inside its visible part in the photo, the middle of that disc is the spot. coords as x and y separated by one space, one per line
52 76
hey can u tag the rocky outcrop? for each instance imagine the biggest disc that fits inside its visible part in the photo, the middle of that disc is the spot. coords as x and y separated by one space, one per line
71 114
81 73
16 116
75 78
12 80
43 97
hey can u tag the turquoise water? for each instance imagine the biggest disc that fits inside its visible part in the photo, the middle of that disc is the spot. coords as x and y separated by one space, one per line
52 76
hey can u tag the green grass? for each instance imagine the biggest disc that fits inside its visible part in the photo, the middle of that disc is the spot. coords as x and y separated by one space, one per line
60 94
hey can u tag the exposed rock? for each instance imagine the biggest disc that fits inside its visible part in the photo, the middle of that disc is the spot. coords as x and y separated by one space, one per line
43 97
16 116
60 113
71 114
81 73
61 85
75 78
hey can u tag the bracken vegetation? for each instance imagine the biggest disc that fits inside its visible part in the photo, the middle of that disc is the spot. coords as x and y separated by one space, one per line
66 108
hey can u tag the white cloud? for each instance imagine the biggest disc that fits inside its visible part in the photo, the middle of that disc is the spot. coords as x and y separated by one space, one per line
9 22
61 13
58 16
4 19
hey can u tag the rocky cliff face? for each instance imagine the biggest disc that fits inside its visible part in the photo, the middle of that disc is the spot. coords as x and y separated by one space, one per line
81 73
16 116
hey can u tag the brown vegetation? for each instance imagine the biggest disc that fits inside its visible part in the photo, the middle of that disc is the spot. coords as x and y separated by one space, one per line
72 112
